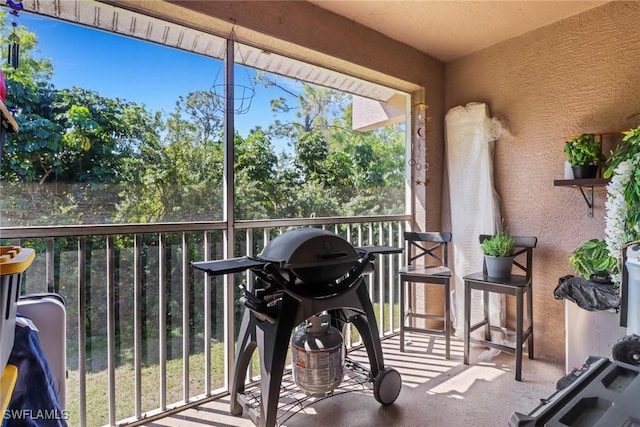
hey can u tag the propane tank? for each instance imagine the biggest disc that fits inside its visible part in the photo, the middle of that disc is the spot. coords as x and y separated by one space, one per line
317 350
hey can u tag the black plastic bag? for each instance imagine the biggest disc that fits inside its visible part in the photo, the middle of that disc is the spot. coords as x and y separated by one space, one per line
588 294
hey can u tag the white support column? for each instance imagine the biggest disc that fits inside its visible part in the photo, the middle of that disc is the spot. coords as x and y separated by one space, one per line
229 202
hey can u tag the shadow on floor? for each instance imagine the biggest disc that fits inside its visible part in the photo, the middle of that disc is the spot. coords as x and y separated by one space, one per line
435 392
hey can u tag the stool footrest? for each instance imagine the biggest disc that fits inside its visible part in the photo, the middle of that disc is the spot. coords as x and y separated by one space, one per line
478 325
424 316
502 347
492 344
424 330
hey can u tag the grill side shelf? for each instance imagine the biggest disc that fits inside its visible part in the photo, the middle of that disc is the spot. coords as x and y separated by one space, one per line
379 249
228 266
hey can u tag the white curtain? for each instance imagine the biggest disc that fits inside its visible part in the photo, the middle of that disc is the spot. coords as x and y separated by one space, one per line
470 136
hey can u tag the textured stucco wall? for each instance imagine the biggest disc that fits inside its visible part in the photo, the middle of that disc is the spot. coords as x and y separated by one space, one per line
578 75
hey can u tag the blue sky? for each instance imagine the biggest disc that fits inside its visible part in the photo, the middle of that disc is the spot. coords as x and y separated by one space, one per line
122 67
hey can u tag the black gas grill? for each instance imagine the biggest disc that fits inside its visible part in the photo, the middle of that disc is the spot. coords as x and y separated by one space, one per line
299 274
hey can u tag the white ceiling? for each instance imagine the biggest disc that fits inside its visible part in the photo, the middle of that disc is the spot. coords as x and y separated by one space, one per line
113 19
444 29
448 30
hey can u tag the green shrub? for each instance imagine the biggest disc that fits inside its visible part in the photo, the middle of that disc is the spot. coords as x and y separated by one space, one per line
500 245
584 150
592 257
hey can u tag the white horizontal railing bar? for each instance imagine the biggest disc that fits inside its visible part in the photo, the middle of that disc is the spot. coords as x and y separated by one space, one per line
271 223
106 229
168 227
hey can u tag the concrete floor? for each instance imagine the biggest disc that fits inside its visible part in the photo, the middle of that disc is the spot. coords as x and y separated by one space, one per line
435 392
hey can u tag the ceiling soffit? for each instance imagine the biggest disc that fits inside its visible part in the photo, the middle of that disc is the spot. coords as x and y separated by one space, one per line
447 30
131 24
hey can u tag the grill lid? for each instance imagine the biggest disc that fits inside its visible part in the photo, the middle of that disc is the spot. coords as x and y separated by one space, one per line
313 254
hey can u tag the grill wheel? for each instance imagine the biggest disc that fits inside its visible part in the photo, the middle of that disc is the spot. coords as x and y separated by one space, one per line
387 385
627 349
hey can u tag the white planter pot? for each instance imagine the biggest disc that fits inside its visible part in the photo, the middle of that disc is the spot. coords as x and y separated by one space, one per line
588 333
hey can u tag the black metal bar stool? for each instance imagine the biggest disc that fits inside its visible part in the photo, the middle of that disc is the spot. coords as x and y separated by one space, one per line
517 286
432 247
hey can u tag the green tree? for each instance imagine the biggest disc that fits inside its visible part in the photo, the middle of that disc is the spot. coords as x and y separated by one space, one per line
255 177
178 177
74 135
355 172
71 135
144 167
74 138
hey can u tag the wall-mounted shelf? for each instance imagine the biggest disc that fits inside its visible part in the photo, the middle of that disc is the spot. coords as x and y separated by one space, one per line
586 188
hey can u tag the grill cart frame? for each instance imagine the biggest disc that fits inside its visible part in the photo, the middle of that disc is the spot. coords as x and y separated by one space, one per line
285 294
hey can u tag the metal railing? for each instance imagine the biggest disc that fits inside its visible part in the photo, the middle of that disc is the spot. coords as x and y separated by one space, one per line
147 335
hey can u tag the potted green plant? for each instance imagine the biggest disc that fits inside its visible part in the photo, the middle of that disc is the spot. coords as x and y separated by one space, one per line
592 261
498 254
585 155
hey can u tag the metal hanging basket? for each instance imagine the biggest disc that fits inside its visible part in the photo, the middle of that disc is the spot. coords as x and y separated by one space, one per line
242 97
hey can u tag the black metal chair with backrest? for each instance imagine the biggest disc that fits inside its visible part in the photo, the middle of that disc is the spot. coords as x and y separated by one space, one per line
517 285
432 248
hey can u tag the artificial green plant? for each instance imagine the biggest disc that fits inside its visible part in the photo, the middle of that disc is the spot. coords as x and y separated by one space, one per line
584 150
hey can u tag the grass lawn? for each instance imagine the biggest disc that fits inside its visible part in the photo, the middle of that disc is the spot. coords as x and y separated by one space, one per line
97 401
97 386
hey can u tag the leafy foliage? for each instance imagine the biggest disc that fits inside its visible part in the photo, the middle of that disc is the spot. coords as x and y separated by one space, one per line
141 166
71 135
592 258
498 245
584 150
623 198
628 149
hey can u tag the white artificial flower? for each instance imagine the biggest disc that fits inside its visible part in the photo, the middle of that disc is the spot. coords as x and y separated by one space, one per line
616 232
